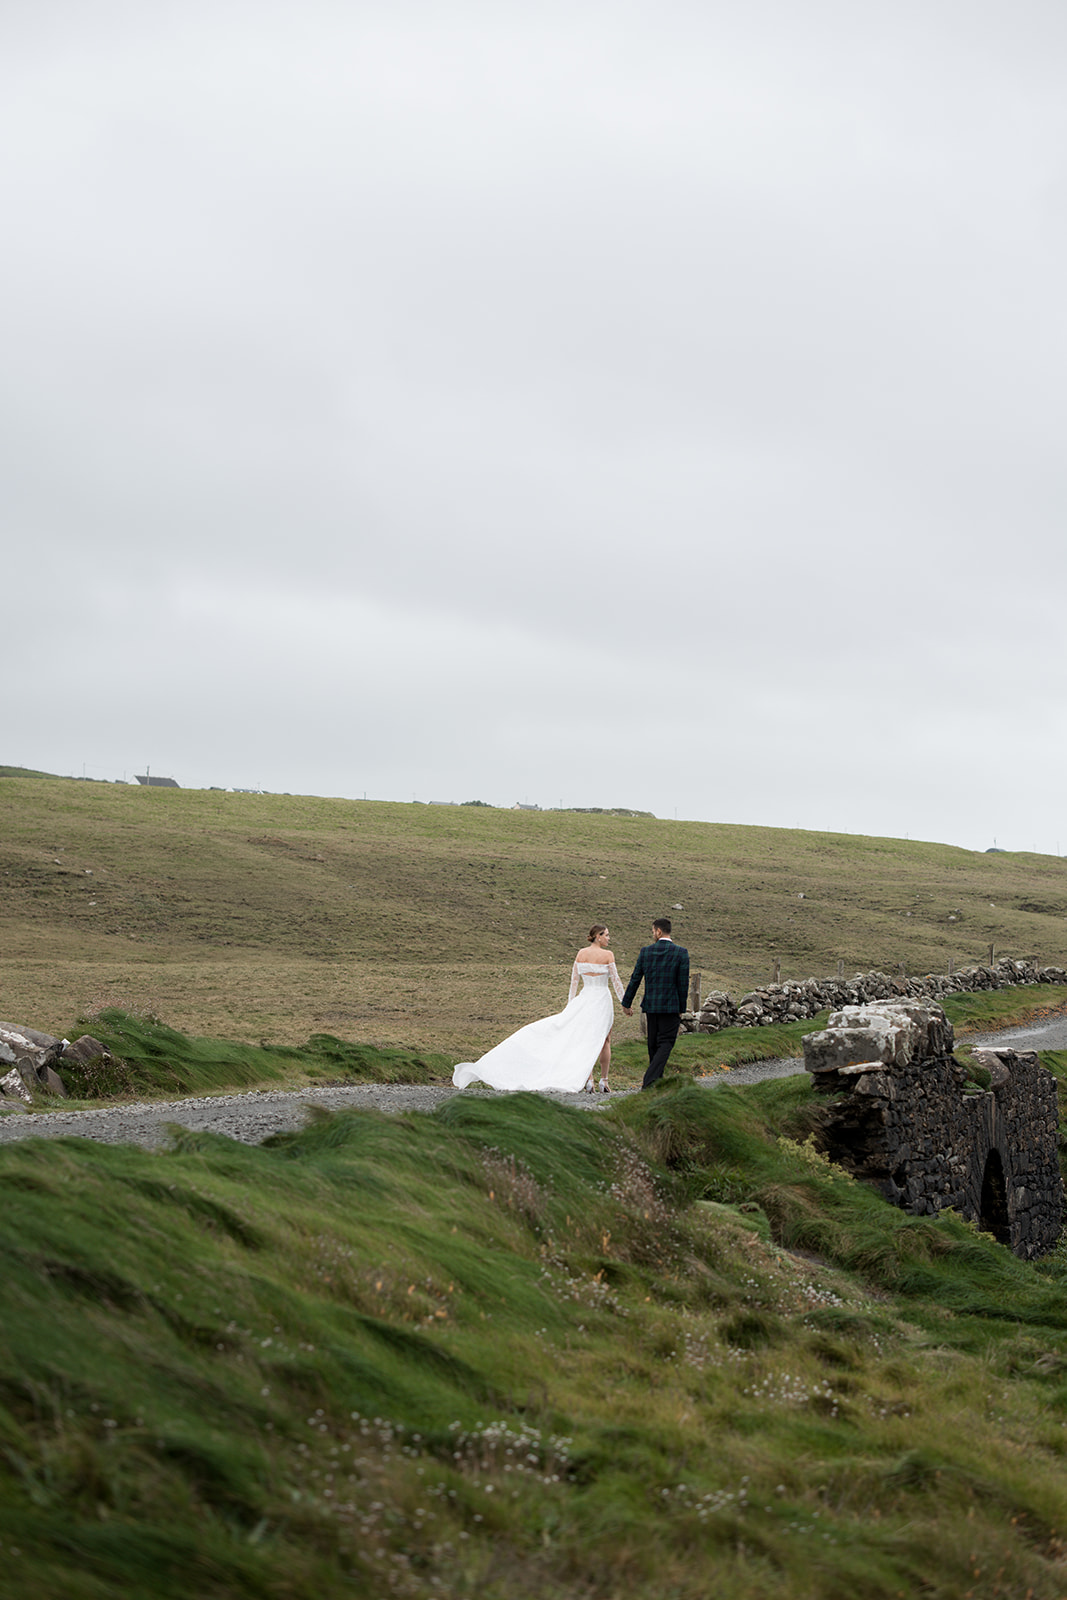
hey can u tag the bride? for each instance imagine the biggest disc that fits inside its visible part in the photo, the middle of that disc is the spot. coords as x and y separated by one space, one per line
559 1052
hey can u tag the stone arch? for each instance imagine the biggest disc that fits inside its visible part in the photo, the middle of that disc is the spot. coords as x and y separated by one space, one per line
993 1214
906 1117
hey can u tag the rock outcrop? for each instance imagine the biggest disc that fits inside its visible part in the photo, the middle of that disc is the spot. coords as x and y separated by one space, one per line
29 1058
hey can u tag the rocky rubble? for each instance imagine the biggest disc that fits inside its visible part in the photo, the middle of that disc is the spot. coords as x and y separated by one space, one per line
795 1001
28 1061
906 1116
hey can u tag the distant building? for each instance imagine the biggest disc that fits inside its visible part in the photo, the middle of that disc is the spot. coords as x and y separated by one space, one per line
519 806
157 783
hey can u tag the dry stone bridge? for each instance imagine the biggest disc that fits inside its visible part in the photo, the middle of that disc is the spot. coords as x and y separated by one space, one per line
907 1116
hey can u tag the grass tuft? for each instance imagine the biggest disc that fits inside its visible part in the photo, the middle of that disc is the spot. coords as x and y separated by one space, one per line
151 1061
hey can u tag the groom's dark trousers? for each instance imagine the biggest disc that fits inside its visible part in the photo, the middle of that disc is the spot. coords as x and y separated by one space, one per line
662 1031
665 968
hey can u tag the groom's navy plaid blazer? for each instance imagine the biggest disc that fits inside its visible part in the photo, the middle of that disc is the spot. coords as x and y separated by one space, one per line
665 969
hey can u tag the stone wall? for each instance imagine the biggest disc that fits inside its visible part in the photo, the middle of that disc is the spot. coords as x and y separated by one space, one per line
790 1002
907 1117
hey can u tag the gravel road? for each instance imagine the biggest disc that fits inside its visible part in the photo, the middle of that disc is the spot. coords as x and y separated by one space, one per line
1048 1035
253 1117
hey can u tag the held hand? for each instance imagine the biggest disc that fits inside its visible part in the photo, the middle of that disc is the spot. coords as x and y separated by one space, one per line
629 1010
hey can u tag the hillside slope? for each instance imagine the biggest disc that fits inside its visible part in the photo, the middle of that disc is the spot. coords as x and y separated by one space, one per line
277 916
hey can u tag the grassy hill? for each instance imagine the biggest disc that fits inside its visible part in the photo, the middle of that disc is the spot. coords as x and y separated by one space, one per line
514 1350
507 1349
24 772
275 916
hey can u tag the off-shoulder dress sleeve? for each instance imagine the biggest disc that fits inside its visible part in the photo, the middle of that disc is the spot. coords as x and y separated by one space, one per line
616 981
573 990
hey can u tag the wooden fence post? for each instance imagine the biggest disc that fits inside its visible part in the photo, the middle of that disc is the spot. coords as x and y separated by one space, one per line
841 968
694 991
777 971
992 954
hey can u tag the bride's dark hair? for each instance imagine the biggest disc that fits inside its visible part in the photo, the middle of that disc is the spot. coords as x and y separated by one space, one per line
598 927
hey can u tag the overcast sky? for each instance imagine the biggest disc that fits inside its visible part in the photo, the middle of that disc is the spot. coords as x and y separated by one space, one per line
651 404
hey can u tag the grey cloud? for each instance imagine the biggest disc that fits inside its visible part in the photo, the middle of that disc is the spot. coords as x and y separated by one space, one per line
735 328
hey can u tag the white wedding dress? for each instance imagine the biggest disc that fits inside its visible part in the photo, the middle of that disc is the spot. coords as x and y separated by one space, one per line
556 1052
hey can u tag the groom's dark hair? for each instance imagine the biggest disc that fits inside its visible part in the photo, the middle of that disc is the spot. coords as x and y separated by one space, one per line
663 924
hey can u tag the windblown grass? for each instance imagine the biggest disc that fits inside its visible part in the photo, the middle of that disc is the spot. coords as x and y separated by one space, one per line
992 1009
153 1061
512 1349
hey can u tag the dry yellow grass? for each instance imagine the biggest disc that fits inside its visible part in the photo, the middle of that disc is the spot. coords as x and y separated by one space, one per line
273 917
281 1000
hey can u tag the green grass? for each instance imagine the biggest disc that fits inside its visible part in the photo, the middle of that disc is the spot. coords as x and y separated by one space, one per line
514 1349
273 917
152 1060
707 1054
989 1010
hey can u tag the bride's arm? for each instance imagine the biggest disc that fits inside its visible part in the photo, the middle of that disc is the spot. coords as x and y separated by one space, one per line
616 981
573 990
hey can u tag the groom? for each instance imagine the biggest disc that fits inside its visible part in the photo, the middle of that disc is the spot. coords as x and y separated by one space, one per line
665 969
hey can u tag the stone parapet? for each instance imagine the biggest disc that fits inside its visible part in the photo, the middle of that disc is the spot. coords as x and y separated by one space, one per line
906 1117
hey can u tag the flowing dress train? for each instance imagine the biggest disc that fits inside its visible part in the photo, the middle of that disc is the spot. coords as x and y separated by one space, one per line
555 1052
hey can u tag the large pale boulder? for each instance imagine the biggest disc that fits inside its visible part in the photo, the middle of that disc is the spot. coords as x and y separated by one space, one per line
33 1036
21 1047
848 1041
932 1034
13 1087
887 1033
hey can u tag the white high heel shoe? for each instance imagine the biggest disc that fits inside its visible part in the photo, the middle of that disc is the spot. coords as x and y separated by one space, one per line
604 1088
589 1089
